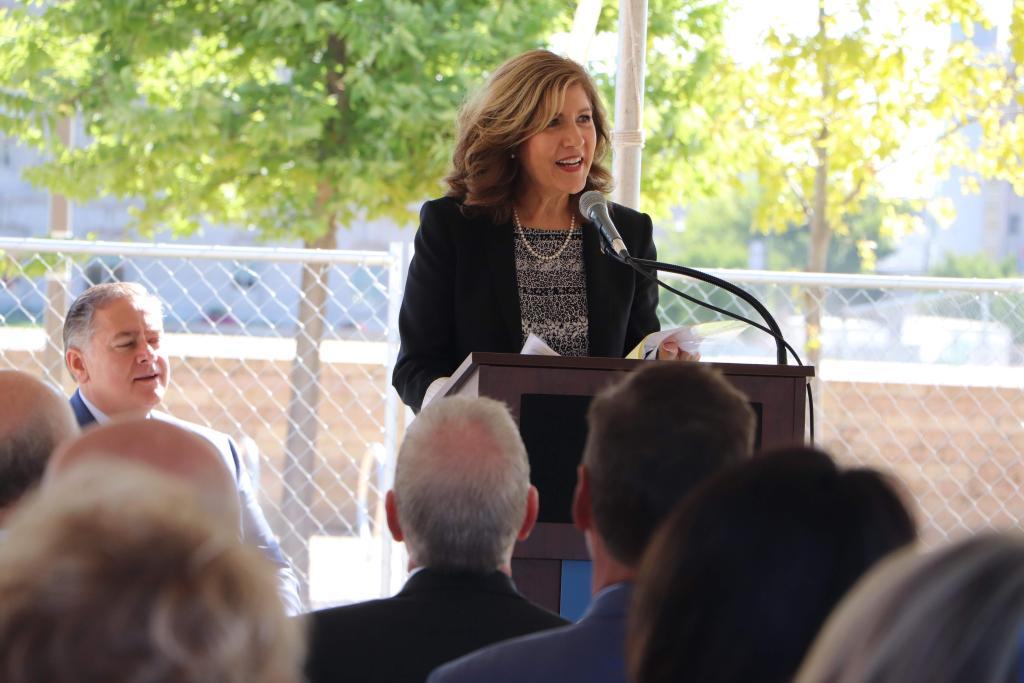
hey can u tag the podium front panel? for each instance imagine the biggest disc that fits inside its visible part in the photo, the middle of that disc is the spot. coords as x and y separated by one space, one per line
549 396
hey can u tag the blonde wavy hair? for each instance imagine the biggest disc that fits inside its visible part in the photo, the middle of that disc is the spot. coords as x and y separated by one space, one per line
516 103
950 615
115 574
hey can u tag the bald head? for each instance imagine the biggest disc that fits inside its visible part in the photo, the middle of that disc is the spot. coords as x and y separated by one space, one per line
161 446
34 418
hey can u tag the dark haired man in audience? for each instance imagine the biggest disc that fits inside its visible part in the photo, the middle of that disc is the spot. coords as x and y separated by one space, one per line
112 336
652 438
461 499
34 418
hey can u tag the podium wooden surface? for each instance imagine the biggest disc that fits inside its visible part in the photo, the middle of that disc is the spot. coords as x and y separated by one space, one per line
776 392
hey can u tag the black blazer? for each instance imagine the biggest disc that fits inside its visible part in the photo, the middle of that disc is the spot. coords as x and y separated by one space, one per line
461 294
436 618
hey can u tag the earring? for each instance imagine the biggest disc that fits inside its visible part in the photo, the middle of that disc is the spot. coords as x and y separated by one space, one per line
512 155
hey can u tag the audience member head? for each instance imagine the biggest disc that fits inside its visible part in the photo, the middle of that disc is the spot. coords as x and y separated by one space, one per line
112 335
162 446
519 100
115 575
34 418
462 493
948 616
651 439
744 572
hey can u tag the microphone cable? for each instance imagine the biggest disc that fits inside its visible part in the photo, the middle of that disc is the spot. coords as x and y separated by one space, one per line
594 205
638 266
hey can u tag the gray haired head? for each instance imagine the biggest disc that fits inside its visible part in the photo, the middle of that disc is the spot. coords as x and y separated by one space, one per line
461 485
78 323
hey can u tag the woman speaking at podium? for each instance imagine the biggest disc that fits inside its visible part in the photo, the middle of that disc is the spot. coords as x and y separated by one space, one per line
506 252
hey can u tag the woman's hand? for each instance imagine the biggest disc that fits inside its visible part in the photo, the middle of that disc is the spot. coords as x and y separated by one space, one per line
670 350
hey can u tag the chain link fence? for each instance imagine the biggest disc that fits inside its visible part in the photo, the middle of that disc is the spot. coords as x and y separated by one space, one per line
290 351
918 376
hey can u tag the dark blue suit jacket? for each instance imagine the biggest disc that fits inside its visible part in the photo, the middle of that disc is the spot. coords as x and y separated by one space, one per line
461 294
591 651
255 528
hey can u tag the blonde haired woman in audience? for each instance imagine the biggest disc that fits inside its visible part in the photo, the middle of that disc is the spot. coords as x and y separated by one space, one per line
116 575
955 615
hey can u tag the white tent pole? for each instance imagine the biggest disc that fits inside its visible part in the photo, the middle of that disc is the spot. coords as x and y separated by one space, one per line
584 28
628 136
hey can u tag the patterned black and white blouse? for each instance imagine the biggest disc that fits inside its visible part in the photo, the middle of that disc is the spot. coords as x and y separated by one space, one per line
553 294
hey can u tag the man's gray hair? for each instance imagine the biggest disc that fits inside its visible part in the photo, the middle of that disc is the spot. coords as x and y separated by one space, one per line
461 485
78 323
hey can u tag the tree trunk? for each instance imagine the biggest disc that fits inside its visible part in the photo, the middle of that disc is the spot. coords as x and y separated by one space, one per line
303 421
821 232
817 261
57 280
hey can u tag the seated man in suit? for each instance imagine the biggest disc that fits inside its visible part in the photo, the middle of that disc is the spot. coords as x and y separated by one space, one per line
462 496
34 418
652 438
112 336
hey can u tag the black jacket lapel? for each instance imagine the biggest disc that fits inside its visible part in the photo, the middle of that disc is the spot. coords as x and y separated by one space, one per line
500 251
602 282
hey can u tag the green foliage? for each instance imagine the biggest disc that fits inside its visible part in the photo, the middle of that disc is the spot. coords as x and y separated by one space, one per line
974 265
684 55
280 116
717 233
821 116
14 266
1003 307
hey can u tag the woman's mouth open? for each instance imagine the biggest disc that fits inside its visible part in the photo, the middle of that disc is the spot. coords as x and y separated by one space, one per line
570 163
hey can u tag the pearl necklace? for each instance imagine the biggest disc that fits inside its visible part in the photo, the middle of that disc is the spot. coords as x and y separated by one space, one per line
533 252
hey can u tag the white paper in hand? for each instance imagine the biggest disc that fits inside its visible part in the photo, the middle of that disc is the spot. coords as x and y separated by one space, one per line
689 338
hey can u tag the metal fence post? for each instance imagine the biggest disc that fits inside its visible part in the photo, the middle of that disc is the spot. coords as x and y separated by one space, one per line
394 409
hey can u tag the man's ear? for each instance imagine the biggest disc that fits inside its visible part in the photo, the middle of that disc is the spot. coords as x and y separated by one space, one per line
532 510
582 514
75 361
391 512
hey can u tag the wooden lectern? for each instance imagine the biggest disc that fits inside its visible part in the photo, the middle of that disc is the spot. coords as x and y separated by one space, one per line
548 397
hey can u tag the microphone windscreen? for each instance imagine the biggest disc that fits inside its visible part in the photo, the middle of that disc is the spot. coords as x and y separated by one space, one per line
589 201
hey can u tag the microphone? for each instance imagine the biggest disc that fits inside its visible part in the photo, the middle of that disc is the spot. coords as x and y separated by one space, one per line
594 206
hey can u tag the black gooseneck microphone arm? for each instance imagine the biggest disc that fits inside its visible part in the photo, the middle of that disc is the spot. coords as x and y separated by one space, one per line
771 327
594 206
639 266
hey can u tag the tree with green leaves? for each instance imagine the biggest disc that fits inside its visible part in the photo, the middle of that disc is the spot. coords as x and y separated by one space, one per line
285 117
716 233
821 116
684 46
